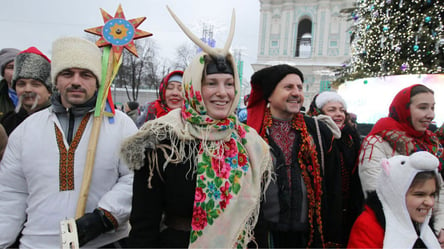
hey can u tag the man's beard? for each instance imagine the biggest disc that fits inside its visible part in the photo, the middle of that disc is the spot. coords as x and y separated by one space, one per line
27 95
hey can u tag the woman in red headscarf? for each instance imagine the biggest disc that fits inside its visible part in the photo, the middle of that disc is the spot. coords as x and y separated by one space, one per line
403 132
170 97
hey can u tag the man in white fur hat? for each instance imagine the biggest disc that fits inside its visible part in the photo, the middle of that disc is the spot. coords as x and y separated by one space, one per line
42 169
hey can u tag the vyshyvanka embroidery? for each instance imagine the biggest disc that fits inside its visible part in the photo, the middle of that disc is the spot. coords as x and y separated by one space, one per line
66 161
310 169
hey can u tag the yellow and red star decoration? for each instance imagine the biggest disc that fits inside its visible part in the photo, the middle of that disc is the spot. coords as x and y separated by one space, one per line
119 32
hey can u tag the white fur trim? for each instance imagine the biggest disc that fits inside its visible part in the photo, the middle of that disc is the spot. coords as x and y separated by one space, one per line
74 52
325 97
330 124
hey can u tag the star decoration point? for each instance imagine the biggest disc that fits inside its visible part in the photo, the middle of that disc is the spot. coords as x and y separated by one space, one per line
119 32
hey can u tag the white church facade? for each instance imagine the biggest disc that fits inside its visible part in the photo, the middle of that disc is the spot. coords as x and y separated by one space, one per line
311 35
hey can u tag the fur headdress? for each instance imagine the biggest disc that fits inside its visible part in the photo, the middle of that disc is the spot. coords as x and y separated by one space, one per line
32 64
74 52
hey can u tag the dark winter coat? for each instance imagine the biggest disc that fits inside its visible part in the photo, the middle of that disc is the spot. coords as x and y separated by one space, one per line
281 209
12 119
172 194
344 197
6 104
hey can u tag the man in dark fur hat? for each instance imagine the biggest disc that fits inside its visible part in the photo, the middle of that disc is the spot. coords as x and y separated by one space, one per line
31 81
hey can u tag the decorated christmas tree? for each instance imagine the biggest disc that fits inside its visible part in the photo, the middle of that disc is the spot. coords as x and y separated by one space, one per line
392 37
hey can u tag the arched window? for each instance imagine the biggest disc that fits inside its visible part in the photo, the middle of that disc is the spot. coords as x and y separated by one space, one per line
305 46
304 39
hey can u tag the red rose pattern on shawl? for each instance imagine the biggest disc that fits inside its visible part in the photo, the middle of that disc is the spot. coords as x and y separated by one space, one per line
218 181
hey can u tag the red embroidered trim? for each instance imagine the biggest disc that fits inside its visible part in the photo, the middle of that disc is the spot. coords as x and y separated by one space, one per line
111 218
66 161
310 168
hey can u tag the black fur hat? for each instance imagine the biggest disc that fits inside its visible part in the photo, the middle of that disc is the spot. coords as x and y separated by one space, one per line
32 64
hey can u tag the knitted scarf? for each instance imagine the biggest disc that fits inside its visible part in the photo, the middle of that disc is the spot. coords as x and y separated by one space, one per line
398 130
310 169
232 163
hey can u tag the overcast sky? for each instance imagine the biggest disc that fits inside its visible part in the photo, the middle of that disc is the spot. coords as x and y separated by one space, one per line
26 23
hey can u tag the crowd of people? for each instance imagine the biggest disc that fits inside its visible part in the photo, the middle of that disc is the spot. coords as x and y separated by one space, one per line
189 172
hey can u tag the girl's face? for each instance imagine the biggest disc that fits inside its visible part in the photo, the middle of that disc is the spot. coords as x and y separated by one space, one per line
422 110
173 95
336 111
420 199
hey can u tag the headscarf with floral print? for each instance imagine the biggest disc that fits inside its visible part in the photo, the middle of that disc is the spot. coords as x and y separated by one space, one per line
159 107
232 163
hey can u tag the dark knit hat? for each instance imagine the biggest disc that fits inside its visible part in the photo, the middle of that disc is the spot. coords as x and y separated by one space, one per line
132 105
32 64
266 79
263 83
7 55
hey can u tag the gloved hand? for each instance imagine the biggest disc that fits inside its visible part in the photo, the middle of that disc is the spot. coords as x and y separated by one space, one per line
91 225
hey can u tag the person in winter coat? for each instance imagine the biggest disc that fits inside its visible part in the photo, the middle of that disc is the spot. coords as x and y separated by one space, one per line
131 109
43 166
32 82
8 97
343 186
397 214
403 132
170 98
199 172
3 141
292 211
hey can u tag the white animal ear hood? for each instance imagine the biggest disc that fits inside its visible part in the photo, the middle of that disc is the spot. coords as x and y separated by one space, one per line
395 179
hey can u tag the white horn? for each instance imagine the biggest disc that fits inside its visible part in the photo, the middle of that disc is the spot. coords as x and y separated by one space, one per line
231 34
193 37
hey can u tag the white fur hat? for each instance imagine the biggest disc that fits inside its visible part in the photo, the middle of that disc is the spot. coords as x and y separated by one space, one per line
74 52
329 96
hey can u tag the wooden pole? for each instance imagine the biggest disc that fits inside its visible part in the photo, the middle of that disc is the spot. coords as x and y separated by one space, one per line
92 145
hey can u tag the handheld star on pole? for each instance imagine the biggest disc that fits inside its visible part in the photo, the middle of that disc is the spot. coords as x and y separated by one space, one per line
119 32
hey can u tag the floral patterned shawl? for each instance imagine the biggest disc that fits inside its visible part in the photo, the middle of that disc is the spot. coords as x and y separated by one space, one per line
231 161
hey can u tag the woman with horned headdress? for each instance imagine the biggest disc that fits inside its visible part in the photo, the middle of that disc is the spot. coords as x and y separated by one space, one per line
199 173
